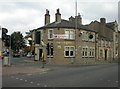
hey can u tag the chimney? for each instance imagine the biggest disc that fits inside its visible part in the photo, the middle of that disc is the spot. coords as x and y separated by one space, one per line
47 17
72 19
79 19
58 16
103 20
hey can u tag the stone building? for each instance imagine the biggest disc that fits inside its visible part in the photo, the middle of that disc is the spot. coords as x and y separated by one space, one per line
69 40
107 47
119 45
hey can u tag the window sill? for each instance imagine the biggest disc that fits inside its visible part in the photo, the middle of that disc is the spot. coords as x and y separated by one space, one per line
69 57
70 39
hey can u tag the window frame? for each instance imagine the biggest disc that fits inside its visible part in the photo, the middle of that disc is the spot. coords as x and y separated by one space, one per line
70 33
69 50
49 36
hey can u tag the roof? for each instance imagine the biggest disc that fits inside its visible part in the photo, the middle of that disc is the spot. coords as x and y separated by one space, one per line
110 25
66 24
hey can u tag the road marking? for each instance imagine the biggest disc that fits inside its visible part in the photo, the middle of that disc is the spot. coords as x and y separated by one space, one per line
25 80
116 81
17 78
43 73
45 85
21 79
31 82
38 84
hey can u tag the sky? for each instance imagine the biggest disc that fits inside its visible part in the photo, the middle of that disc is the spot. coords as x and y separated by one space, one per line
25 15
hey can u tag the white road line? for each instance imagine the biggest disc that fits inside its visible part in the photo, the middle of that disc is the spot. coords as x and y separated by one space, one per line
45 85
25 80
31 82
116 81
21 79
17 78
38 84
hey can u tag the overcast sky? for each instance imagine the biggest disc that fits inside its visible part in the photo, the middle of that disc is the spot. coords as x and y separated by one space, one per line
25 15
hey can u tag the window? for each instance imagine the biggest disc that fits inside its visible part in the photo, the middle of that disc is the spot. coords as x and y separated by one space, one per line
69 51
85 36
50 34
102 43
70 34
101 53
50 49
84 52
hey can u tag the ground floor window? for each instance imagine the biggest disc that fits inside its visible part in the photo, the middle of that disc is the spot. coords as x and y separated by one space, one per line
88 52
84 52
91 52
69 51
101 53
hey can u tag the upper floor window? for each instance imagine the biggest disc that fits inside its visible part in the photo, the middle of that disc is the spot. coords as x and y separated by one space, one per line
70 34
50 33
85 36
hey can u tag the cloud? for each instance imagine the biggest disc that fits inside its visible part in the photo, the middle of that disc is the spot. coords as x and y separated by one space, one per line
25 15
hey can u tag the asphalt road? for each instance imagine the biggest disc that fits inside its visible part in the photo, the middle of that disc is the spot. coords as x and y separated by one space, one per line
102 75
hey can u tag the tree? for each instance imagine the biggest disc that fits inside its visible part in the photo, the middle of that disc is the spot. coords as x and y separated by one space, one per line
17 41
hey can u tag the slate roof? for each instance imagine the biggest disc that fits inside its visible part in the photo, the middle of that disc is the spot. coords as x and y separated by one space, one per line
66 24
110 25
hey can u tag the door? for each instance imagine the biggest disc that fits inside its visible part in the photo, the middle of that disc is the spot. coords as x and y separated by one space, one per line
40 54
105 54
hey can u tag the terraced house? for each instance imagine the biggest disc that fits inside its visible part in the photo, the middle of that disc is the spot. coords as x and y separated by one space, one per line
69 41
107 46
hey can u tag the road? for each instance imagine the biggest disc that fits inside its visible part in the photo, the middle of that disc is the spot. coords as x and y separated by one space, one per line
100 75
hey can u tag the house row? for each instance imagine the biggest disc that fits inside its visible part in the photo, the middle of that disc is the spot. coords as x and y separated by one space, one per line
69 41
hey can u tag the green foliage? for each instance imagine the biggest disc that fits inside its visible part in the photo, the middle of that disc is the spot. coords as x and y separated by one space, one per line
17 41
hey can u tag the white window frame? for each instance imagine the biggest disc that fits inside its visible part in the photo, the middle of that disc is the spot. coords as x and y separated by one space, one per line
91 52
70 33
49 37
85 36
69 51
85 51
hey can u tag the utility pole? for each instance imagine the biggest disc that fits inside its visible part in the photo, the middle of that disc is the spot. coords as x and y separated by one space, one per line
75 30
10 52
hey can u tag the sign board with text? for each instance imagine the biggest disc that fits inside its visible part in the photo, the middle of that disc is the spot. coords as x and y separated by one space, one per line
60 36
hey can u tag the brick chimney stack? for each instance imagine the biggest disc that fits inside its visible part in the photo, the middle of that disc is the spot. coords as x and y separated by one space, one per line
47 17
58 16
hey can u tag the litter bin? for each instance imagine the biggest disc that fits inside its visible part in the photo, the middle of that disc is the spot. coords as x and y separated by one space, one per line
5 61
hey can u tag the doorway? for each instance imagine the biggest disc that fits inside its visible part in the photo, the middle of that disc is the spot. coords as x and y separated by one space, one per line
105 54
40 54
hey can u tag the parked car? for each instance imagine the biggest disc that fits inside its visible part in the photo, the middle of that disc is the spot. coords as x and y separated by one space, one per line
1 57
29 55
16 55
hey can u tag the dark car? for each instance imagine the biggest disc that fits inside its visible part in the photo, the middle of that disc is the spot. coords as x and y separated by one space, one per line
16 55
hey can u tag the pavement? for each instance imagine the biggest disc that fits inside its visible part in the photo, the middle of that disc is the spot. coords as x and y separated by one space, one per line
24 67
22 70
